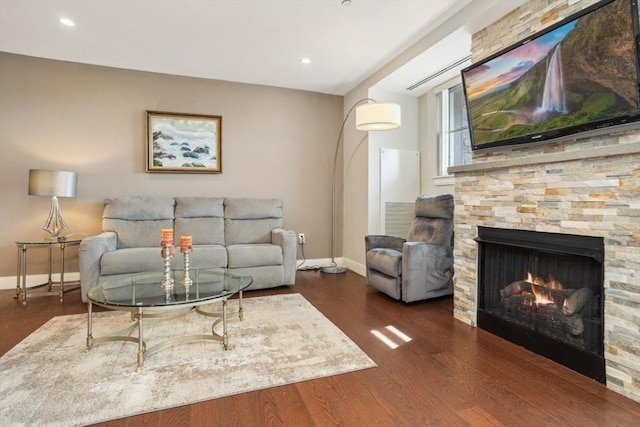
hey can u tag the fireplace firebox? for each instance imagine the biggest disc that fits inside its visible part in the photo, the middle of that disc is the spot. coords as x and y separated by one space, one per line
544 291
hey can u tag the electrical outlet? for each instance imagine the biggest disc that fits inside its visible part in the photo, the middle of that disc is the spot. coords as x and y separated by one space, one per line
301 239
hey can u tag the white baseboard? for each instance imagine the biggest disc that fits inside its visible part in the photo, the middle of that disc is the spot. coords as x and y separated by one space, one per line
314 264
356 267
322 262
10 282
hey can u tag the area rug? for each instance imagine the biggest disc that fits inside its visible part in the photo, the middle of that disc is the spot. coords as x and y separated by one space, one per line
47 380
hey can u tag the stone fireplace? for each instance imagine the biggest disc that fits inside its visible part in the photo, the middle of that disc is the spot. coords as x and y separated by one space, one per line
587 186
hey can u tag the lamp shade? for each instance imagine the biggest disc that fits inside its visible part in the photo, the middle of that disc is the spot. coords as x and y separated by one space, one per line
378 116
52 183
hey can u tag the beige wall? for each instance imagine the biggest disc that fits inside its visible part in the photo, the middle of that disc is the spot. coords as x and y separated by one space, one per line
89 119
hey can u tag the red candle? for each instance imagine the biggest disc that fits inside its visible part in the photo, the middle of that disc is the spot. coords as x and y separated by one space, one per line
166 236
186 243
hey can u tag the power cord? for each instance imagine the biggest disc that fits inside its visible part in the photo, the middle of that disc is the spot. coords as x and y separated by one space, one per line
308 267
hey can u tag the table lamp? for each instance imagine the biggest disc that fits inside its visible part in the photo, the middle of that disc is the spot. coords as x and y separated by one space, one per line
55 184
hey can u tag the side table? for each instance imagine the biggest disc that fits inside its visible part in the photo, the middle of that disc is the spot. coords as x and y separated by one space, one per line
21 285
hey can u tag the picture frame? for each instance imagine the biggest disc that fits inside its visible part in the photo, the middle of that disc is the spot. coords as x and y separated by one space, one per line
183 143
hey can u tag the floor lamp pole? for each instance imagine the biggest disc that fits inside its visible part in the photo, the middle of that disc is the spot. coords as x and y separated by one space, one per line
334 268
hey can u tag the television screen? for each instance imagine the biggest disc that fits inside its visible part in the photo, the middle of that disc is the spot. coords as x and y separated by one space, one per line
579 75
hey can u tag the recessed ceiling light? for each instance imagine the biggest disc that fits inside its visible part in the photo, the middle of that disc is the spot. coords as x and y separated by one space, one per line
305 60
68 22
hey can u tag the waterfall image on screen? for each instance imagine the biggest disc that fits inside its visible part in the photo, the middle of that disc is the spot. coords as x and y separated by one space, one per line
584 71
553 96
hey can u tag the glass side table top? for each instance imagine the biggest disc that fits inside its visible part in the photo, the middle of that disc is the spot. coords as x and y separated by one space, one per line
144 289
44 242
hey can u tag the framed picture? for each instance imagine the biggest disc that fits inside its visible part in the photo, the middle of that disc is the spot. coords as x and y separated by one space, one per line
185 143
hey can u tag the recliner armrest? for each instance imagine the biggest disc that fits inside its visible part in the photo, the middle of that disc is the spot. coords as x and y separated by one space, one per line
91 250
419 258
286 239
429 255
380 241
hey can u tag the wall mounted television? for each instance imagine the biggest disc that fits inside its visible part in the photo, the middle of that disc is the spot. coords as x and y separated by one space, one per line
579 75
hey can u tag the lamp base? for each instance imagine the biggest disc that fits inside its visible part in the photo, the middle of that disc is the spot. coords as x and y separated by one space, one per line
55 223
334 269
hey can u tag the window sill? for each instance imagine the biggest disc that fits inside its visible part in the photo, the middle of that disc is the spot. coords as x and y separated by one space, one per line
443 180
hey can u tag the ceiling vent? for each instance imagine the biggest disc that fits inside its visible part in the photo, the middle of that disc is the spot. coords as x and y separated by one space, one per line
440 72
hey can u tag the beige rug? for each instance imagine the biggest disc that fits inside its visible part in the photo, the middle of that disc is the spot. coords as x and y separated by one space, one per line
47 380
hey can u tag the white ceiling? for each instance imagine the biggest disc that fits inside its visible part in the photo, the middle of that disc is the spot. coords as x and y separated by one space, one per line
250 41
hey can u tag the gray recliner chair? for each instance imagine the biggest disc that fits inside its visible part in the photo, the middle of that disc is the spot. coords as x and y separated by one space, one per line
420 267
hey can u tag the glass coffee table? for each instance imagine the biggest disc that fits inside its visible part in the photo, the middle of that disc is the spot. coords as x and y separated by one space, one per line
144 297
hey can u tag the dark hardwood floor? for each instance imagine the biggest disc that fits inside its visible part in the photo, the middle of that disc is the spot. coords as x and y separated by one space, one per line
449 374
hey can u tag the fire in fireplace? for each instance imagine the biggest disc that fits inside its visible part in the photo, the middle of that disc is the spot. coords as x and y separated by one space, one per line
548 307
544 291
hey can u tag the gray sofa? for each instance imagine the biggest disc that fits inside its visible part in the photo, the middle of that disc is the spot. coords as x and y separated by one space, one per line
242 235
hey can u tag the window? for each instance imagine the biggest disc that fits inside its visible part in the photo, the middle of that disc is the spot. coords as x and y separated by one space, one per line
453 131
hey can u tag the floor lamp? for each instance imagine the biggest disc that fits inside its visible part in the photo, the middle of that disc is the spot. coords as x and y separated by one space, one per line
55 184
370 116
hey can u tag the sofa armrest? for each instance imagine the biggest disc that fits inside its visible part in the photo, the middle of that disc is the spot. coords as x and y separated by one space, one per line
379 241
286 239
91 250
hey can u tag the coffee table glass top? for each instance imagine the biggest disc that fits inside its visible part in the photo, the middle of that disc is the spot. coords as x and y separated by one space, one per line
145 290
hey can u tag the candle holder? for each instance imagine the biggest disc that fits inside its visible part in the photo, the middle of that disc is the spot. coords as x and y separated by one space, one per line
167 253
186 280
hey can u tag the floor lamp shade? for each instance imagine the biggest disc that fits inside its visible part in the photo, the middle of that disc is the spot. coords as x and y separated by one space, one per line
378 116
54 184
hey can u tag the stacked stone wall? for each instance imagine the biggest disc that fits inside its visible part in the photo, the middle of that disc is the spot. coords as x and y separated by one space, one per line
585 186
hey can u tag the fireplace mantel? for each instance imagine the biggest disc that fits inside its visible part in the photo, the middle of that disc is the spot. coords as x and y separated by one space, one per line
548 158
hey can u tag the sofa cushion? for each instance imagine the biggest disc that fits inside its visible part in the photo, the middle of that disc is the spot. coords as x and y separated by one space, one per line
131 260
240 231
139 208
254 255
251 220
138 220
238 208
202 256
201 218
137 234
199 207
204 231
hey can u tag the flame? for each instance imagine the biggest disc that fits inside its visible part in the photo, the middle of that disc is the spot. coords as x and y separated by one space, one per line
535 280
554 284
539 289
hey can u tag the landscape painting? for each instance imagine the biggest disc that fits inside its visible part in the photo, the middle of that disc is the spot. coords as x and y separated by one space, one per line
186 143
581 72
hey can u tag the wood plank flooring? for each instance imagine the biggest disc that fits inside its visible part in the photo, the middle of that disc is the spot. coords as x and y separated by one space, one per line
448 374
